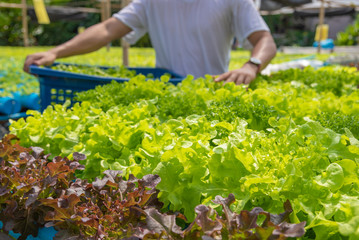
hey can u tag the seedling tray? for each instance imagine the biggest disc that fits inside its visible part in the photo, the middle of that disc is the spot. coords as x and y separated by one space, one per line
58 86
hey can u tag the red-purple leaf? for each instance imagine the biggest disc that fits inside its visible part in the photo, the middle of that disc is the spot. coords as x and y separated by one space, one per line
149 181
57 168
264 233
158 222
64 207
76 165
208 225
290 230
50 181
112 174
92 222
4 189
277 219
32 195
247 220
99 184
226 202
111 207
78 156
37 151
78 188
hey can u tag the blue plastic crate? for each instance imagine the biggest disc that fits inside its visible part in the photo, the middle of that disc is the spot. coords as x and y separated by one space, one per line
58 86
31 101
9 105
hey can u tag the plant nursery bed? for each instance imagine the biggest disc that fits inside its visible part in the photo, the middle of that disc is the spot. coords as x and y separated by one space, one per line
57 86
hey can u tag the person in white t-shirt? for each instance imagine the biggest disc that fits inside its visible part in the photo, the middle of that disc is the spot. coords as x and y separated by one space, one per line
189 36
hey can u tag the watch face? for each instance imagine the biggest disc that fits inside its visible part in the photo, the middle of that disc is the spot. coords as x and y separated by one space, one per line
255 61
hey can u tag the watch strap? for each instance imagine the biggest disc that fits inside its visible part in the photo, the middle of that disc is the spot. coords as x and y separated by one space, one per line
257 65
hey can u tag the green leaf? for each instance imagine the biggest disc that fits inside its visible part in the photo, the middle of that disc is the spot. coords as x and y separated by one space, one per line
332 178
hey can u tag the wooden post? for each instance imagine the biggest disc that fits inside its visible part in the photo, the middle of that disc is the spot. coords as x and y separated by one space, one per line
25 29
108 9
102 5
105 14
321 22
125 45
108 15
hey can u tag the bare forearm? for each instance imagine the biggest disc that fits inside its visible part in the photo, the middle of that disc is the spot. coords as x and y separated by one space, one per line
264 49
86 42
92 39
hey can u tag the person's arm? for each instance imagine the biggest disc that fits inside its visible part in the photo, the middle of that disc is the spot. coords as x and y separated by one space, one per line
90 40
264 49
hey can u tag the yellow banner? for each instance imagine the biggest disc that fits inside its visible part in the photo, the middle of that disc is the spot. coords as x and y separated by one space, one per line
41 13
321 30
81 29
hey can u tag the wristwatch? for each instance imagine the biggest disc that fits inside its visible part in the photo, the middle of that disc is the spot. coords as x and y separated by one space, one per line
256 62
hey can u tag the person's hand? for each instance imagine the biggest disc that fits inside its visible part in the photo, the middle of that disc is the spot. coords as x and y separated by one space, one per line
42 58
244 75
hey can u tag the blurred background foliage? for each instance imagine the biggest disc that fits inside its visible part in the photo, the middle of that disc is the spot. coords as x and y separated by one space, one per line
286 31
51 34
350 36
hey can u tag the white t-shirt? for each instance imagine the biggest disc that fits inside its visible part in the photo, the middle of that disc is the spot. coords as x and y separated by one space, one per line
192 36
